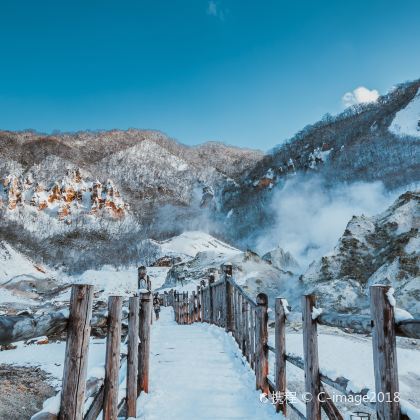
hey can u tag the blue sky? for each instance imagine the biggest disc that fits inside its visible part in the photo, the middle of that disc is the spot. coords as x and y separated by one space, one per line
249 73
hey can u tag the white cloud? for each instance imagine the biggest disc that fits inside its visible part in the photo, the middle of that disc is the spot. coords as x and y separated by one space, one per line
360 95
214 9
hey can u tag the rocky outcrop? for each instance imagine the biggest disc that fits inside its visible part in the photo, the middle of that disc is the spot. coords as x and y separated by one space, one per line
383 249
71 194
282 260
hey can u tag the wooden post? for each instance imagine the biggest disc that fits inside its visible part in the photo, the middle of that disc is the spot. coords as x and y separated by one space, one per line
183 308
229 308
184 312
132 355
144 347
193 307
183 317
280 345
252 337
176 307
198 304
211 304
247 332
310 352
203 298
262 341
196 311
237 317
243 325
218 311
76 357
112 358
215 305
235 314
384 353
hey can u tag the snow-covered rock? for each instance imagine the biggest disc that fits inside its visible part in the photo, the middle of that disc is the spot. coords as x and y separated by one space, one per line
374 250
250 271
62 198
281 259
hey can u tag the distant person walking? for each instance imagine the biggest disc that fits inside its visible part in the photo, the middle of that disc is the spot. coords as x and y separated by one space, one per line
143 280
156 305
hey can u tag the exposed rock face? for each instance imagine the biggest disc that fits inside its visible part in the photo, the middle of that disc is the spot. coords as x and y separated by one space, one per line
70 194
384 249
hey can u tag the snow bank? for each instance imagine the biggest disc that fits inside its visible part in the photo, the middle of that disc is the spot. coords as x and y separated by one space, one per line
406 121
409 410
351 357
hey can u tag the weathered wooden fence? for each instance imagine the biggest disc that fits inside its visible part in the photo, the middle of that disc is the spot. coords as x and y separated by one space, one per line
104 396
227 305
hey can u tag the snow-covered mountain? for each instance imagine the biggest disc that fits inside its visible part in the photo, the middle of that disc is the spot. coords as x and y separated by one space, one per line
148 168
378 141
161 188
281 259
384 249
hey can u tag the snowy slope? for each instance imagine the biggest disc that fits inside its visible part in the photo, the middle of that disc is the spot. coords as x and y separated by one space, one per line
350 356
15 266
190 243
407 121
22 281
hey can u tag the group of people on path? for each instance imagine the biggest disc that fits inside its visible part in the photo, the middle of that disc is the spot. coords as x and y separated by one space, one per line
144 283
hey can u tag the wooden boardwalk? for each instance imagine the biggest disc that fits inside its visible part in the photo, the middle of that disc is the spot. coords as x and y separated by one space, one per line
197 372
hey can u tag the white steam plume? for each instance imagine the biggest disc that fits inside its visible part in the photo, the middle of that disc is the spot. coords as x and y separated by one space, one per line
310 217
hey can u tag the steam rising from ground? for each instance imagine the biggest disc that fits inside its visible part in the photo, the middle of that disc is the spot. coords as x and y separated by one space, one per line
310 217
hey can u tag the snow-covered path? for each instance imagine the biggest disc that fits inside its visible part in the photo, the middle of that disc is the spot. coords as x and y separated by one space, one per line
196 372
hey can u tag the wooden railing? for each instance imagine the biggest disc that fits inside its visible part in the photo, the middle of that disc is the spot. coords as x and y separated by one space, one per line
103 395
228 306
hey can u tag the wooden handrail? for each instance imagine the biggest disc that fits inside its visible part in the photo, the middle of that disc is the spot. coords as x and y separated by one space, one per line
240 315
242 291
